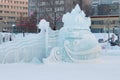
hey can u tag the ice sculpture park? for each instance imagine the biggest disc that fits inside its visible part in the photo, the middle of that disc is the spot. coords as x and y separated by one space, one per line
74 42
73 53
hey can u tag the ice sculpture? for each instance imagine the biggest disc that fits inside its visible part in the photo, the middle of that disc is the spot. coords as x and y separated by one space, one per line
76 43
49 36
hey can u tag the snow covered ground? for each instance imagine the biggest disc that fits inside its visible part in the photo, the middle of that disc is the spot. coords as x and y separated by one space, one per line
107 67
61 71
26 49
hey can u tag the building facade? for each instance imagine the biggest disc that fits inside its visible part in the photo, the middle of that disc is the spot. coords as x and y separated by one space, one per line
11 10
104 23
104 1
105 7
105 15
51 10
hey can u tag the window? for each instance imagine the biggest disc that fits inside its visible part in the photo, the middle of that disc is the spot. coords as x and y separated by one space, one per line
59 2
4 6
1 6
11 18
1 17
6 11
1 11
7 6
24 8
12 12
43 3
98 22
20 2
21 8
11 7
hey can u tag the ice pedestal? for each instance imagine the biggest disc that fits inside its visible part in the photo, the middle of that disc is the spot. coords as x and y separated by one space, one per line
76 43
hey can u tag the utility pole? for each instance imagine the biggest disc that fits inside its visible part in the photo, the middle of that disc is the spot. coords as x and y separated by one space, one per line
55 21
81 3
36 10
108 26
119 24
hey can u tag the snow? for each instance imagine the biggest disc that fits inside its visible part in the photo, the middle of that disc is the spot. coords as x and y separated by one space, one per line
61 71
107 67
23 56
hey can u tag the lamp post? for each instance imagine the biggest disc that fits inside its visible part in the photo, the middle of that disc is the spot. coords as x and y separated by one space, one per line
119 23
108 22
13 26
55 21
36 8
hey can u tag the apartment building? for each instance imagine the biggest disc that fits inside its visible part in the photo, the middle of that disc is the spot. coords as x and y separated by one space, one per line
105 15
104 23
105 7
11 10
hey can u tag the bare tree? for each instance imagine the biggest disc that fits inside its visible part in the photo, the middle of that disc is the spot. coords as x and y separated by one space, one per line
85 6
54 16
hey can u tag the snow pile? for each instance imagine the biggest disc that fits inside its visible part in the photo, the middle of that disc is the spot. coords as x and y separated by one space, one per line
89 71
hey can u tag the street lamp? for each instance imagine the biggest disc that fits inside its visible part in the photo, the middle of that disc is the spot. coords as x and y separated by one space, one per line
13 26
55 21
36 8
108 23
119 23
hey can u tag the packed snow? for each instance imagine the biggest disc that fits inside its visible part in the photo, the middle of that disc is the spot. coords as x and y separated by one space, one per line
66 71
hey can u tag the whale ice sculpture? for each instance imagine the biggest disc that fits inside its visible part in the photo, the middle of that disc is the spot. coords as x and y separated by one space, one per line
76 43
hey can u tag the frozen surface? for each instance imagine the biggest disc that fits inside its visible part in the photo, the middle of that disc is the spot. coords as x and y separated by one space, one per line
63 71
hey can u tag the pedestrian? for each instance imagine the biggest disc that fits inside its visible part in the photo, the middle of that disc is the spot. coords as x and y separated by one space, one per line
23 34
112 40
10 38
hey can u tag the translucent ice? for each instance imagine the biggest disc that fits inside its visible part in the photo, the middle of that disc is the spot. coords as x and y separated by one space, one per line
76 43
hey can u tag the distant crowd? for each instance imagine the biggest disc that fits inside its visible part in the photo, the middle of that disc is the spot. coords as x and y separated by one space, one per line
5 37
